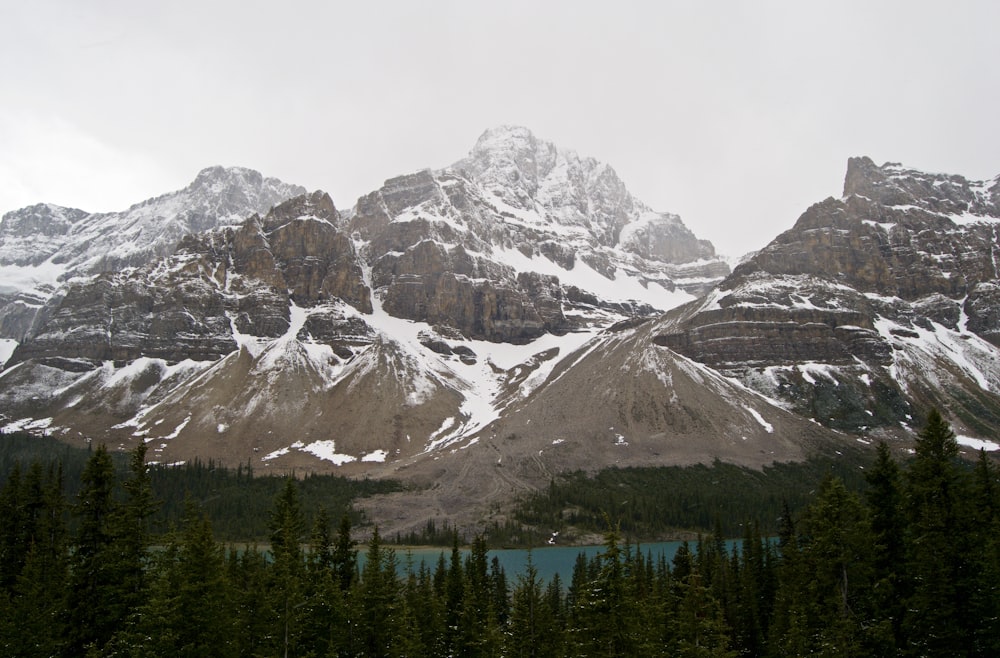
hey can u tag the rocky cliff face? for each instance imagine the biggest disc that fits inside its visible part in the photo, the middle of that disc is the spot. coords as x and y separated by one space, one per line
218 285
501 245
44 245
481 327
871 308
86 243
397 329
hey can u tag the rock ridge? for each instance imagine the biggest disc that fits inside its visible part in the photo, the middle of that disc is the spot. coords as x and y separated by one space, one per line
856 315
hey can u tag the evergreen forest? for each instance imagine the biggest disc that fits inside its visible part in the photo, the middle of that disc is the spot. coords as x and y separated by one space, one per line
653 502
907 566
236 501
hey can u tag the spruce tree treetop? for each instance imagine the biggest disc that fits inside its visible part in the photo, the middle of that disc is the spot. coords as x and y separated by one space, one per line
936 440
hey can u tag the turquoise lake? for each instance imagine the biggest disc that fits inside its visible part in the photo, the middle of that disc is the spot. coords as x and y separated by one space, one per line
549 560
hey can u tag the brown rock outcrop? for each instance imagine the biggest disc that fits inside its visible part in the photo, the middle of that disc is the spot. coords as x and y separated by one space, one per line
188 306
852 291
483 300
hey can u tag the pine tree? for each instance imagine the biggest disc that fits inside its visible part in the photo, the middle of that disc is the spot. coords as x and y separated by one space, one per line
426 603
836 554
477 620
345 555
37 614
499 596
94 611
324 617
186 612
249 577
699 628
416 604
789 633
659 610
13 547
683 566
407 641
131 534
984 604
605 616
888 527
287 568
556 602
454 598
154 632
10 633
321 543
376 610
202 590
937 558
577 584
533 632
751 608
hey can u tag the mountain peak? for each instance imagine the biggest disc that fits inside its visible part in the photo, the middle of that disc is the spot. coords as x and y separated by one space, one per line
78 242
317 205
505 138
892 184
506 159
528 173
860 170
220 172
44 218
216 179
531 175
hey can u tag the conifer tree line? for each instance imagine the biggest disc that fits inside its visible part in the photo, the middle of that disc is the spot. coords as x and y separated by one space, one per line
910 567
237 500
651 501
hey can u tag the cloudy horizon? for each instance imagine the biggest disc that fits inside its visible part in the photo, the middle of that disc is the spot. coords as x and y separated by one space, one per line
737 116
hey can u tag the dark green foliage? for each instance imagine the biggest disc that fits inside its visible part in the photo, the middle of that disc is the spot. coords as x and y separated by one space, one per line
131 529
651 502
22 449
909 567
432 534
824 600
535 618
604 612
190 575
201 585
13 528
324 608
287 568
94 604
888 526
697 627
248 576
426 609
238 501
985 604
377 601
454 595
33 556
108 565
344 559
479 617
939 546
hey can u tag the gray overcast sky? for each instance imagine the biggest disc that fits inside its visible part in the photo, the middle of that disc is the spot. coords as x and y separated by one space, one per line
736 115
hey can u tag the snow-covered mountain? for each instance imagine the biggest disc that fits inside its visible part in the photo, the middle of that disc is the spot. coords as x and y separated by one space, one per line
44 245
480 327
535 232
872 308
395 330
